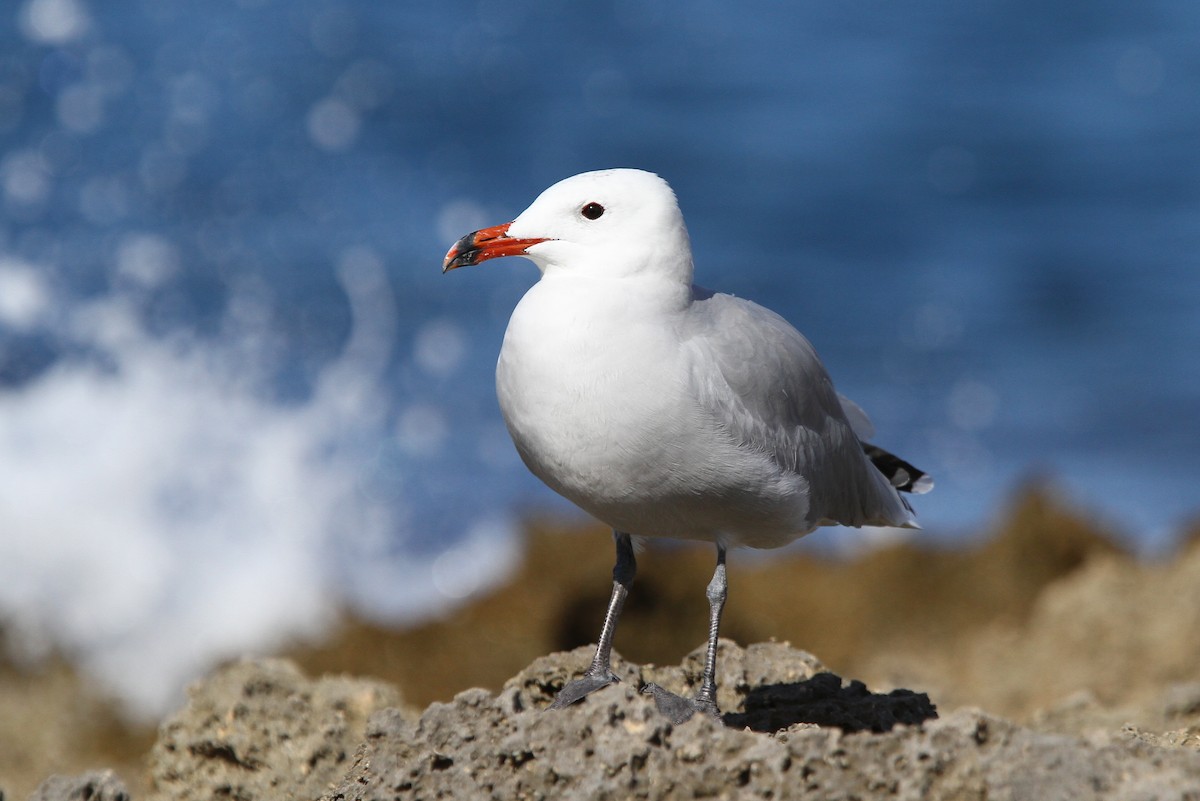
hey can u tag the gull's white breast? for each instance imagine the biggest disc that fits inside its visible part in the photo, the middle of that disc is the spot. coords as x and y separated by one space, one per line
598 392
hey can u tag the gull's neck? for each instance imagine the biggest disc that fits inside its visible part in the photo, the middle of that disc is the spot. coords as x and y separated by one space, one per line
637 294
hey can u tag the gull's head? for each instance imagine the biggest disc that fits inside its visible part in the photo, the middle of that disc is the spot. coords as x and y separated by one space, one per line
609 222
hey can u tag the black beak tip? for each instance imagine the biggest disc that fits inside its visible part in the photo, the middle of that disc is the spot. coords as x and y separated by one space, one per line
463 254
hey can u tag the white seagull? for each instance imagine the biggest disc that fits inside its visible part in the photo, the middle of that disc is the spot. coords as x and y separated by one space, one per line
665 409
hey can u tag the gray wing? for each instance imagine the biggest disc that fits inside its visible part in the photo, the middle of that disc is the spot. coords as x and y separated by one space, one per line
762 382
858 418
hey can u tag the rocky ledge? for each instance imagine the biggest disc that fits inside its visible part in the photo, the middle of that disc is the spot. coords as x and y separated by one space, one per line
261 730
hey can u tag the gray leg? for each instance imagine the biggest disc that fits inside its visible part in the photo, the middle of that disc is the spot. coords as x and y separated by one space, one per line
717 591
680 709
600 674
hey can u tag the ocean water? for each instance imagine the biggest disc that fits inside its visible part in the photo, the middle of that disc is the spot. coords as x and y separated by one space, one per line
237 394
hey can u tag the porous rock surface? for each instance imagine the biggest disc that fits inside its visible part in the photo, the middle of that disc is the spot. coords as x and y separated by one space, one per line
791 729
616 745
96 785
259 730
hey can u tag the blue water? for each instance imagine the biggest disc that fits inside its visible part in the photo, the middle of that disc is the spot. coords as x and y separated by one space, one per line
237 391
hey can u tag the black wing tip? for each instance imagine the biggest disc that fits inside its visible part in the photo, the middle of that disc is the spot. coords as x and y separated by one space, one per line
899 473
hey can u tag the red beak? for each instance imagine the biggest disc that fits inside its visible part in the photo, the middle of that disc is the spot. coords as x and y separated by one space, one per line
484 244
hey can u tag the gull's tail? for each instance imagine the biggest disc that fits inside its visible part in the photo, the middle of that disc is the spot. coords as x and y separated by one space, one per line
899 473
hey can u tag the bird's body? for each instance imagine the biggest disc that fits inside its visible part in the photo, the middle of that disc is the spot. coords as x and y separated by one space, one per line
650 414
664 409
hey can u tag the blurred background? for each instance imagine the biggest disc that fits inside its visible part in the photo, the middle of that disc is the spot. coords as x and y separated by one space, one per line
237 395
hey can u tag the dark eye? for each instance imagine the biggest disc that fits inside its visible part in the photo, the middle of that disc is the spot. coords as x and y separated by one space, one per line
592 211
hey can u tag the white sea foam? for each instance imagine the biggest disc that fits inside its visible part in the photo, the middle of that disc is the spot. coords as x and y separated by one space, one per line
160 510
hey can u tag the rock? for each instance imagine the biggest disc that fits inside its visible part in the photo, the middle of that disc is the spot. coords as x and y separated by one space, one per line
1122 630
262 730
615 745
98 785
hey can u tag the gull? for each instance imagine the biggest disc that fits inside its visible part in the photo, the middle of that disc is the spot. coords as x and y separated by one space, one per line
668 410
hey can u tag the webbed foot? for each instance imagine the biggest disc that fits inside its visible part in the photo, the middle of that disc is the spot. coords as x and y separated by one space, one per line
678 709
583 687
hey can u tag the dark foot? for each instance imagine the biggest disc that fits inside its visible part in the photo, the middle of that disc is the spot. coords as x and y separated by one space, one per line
582 687
678 709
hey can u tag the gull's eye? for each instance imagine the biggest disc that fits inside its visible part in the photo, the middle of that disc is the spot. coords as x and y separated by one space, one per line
592 211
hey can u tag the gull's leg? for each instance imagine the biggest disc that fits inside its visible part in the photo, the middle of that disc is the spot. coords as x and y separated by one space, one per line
680 709
600 673
718 590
